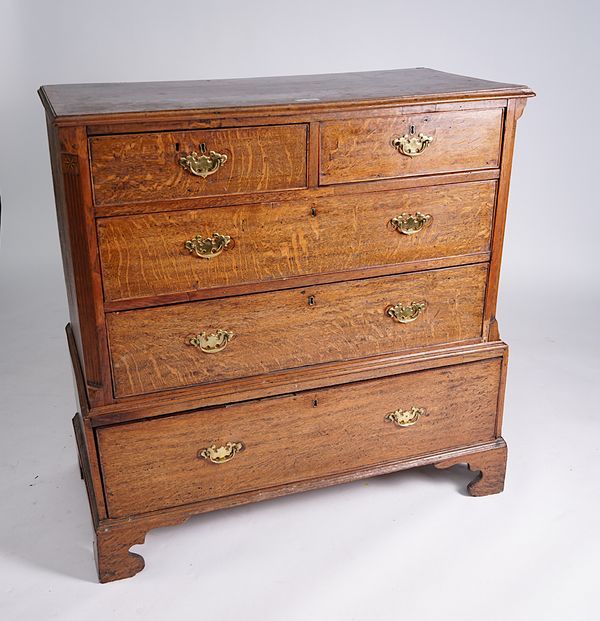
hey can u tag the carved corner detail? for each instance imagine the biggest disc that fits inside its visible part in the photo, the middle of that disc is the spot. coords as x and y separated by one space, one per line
491 464
114 561
70 164
113 558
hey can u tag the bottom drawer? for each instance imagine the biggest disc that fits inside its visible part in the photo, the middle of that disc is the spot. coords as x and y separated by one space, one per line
169 461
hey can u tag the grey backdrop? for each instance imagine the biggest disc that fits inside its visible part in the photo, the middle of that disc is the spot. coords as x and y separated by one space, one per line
408 543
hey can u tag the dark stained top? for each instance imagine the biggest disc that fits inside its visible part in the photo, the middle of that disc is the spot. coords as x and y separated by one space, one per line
64 100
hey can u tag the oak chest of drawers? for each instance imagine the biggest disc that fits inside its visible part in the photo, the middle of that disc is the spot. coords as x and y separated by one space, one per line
279 284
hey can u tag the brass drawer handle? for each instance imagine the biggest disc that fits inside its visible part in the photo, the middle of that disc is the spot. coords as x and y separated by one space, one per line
208 247
409 225
221 454
406 314
406 418
212 343
412 145
203 165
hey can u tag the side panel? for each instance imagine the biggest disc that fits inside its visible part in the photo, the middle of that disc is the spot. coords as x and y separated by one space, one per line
68 152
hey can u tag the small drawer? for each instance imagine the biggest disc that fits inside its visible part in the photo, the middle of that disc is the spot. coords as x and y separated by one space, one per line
213 453
175 165
187 251
403 145
224 339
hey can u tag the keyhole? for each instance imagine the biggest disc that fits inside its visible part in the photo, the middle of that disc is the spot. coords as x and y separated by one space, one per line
202 148
412 129
315 403
313 211
176 146
311 300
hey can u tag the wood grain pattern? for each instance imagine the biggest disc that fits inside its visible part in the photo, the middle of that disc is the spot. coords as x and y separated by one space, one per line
298 194
145 167
150 348
144 256
152 465
294 282
360 149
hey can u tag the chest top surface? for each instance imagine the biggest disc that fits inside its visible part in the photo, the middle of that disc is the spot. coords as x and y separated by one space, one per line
301 91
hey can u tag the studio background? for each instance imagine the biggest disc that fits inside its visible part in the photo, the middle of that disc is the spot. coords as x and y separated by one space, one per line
408 544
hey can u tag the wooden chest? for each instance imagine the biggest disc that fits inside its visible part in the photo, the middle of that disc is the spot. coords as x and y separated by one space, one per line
278 284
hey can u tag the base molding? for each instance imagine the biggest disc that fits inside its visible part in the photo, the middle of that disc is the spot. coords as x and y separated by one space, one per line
312 377
114 537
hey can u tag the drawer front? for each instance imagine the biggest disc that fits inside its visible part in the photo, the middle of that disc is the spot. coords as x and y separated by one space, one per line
200 342
146 255
402 145
167 462
151 167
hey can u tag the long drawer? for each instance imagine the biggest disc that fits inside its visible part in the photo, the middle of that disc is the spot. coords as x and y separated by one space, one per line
401 145
219 452
174 165
186 251
200 342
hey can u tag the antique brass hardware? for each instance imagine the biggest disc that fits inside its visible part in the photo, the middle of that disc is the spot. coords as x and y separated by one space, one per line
221 454
412 145
212 343
406 314
208 247
408 224
203 165
405 418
